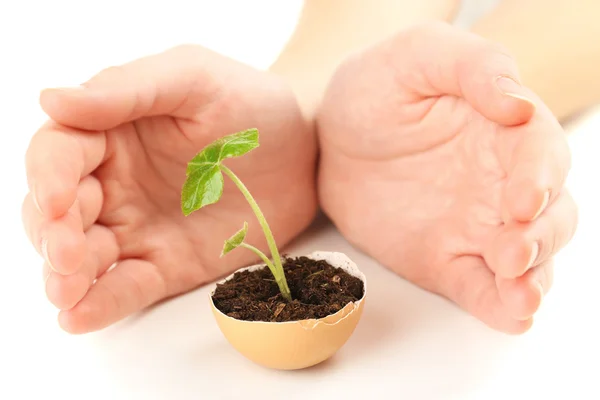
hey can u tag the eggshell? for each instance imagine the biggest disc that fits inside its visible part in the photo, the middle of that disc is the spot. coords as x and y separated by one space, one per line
295 344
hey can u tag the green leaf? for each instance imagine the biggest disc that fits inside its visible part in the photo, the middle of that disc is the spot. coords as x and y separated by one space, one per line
204 181
233 145
235 240
202 187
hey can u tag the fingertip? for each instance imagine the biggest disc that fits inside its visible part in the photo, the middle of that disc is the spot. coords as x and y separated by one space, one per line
53 103
86 316
511 254
515 103
73 321
526 200
48 101
516 110
65 291
519 327
522 296
52 97
64 248
53 198
489 82
505 109
75 107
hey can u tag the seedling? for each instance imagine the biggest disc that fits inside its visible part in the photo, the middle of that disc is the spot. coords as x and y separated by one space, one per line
204 186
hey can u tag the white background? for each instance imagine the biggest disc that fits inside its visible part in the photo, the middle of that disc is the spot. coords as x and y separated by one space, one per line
421 348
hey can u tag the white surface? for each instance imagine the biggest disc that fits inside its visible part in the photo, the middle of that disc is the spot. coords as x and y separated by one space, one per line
421 348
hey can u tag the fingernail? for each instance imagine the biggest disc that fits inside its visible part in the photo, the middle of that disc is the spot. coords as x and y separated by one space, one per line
510 87
46 275
45 253
543 206
535 249
35 199
541 288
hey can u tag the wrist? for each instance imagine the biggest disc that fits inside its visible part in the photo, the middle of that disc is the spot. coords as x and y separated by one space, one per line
329 31
307 84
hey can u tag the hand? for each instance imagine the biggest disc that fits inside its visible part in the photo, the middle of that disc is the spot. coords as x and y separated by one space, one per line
108 169
446 173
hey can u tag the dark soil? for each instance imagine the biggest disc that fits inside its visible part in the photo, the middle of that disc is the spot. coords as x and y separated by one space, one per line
318 290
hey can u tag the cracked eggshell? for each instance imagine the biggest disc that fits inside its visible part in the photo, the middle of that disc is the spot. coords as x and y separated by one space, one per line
295 344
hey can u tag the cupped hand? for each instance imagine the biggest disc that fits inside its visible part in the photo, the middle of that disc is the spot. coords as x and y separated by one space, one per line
106 172
439 164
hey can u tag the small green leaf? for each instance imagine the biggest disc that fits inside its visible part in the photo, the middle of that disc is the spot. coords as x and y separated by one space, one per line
235 240
204 181
202 187
233 145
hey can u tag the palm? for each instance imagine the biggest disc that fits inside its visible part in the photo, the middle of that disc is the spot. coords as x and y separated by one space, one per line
440 198
437 174
145 171
132 132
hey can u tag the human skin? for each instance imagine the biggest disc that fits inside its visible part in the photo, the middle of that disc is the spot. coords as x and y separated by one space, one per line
168 256
129 133
329 31
445 169
555 46
130 130
553 43
560 77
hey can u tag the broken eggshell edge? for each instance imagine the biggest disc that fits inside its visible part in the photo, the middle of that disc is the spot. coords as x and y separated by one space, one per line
294 344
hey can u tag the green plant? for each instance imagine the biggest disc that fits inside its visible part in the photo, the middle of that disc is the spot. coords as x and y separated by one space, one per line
204 186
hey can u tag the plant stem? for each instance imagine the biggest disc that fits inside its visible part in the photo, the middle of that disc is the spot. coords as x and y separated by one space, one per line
280 282
277 271
260 254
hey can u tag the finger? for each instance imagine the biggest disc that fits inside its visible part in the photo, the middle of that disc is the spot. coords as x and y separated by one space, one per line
471 285
439 59
60 241
56 160
520 246
175 82
537 159
90 198
88 206
129 287
523 296
102 250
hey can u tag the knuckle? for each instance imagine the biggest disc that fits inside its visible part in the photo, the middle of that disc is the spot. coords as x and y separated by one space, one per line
496 50
487 58
483 50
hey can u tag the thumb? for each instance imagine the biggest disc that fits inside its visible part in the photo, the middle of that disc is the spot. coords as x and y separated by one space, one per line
450 61
176 83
